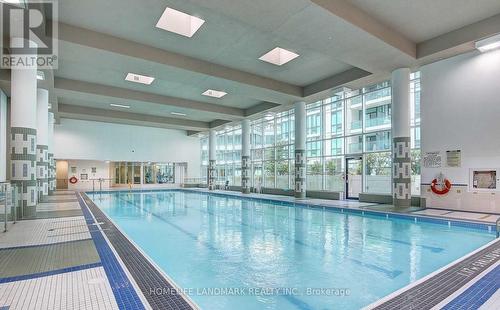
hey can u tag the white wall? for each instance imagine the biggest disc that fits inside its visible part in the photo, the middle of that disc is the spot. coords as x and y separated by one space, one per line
75 139
85 167
3 136
460 110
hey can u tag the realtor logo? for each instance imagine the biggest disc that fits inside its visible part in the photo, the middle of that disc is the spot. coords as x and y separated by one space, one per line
28 34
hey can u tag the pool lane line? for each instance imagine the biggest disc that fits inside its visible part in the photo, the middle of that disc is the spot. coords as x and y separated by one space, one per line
381 238
469 224
125 295
388 273
292 299
140 267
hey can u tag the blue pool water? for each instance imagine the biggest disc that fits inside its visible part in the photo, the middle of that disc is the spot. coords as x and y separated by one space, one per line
229 253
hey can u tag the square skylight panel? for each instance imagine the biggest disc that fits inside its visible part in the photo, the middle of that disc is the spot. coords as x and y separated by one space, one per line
214 93
137 78
279 56
179 22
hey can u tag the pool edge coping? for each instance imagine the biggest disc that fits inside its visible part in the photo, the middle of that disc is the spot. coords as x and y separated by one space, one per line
431 275
178 288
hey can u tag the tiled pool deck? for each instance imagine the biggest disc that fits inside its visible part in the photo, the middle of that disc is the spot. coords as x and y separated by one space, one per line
71 256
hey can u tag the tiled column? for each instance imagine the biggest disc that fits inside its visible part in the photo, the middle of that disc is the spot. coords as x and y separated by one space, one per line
42 147
245 156
52 163
211 160
401 144
23 135
300 150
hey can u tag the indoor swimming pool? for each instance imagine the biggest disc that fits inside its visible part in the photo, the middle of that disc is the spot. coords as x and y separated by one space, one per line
226 252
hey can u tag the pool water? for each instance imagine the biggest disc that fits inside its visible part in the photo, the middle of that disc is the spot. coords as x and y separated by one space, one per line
231 253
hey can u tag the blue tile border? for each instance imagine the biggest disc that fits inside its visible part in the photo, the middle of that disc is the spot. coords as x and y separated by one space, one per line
490 228
125 295
478 293
48 273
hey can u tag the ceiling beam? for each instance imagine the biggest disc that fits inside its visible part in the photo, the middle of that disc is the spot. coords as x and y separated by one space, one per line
369 24
261 107
466 35
94 114
124 47
335 81
128 94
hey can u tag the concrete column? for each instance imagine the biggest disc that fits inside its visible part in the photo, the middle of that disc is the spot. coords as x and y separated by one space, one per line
42 147
23 135
211 160
52 163
401 144
245 156
300 149
3 136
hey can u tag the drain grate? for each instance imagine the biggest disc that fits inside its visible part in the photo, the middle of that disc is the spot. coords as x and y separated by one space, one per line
431 292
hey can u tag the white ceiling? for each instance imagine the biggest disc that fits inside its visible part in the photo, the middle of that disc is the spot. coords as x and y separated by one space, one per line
421 20
235 34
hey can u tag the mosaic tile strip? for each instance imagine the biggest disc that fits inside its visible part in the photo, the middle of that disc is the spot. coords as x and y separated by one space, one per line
437 288
245 174
124 292
401 176
300 173
147 277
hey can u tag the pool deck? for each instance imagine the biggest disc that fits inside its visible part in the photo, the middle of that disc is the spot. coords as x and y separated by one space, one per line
71 256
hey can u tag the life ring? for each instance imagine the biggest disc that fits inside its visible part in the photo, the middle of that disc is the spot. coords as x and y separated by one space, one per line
73 180
442 191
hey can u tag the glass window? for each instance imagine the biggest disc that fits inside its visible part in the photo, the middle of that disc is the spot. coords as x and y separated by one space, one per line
25 170
378 141
354 144
378 172
314 174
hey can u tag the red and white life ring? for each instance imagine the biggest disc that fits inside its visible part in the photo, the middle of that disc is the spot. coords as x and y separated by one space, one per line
73 180
443 190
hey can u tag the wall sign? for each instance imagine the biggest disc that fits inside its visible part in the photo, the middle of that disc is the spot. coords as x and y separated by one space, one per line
484 179
432 160
454 158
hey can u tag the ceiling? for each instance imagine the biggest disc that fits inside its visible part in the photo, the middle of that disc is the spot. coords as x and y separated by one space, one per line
340 43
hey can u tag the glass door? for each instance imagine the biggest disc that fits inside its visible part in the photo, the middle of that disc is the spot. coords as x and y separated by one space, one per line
354 177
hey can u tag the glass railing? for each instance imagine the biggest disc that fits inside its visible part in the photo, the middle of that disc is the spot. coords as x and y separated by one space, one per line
355 147
356 125
377 95
379 121
377 146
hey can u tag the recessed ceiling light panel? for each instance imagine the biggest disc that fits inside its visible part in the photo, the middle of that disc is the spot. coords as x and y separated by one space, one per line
137 78
179 22
488 44
120 106
214 93
279 56
178 113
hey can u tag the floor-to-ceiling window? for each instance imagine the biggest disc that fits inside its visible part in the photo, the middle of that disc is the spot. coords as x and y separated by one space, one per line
415 132
348 124
272 150
228 155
